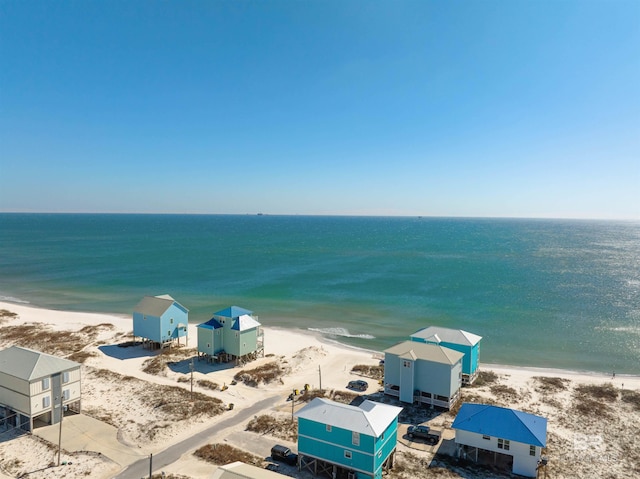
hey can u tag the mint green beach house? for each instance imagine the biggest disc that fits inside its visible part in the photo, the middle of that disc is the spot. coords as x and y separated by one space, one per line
341 440
466 343
160 320
232 334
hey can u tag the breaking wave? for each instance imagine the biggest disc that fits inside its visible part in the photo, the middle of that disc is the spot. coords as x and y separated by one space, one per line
11 299
341 332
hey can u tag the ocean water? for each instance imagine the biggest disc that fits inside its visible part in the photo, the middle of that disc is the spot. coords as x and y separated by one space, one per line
545 293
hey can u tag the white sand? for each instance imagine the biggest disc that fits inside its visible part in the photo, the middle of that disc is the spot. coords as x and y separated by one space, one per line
304 353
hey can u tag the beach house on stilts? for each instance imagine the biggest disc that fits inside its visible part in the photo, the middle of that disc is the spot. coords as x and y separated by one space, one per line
458 340
159 321
423 374
500 436
345 441
232 334
36 388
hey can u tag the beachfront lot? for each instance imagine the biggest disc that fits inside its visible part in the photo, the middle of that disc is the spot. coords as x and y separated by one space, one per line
143 400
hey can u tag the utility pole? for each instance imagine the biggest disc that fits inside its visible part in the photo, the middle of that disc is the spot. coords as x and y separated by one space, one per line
191 367
293 401
320 374
60 430
151 466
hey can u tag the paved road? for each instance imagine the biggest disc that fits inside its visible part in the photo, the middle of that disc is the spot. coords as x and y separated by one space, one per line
140 469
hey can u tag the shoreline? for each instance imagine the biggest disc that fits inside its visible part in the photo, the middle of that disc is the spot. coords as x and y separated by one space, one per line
325 339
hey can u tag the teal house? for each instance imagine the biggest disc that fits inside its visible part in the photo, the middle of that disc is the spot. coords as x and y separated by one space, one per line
458 340
232 334
341 440
160 320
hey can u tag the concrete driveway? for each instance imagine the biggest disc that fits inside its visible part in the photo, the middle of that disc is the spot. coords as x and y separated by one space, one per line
446 445
84 433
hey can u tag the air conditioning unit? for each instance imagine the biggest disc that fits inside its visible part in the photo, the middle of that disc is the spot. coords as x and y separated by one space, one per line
351 475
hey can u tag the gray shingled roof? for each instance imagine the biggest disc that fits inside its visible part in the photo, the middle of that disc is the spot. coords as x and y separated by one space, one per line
156 306
28 365
430 352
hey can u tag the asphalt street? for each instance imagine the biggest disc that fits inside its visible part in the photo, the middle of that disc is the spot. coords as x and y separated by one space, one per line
140 468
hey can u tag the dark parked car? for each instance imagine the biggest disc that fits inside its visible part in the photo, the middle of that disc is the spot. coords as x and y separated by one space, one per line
284 454
358 385
423 432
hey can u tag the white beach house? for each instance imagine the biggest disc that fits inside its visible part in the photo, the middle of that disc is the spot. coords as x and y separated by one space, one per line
492 432
36 386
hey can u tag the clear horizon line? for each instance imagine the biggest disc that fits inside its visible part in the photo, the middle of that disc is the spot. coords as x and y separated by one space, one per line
337 215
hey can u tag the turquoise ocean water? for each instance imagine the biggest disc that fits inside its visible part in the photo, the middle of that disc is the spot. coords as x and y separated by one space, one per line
547 293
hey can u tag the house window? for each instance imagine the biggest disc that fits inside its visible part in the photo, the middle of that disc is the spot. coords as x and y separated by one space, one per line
503 444
144 317
532 450
347 454
484 436
66 394
171 321
169 333
65 377
208 345
406 364
328 427
46 401
355 438
237 335
45 384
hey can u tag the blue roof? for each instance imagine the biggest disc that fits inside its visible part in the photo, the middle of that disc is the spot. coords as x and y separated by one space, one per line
503 423
233 312
211 324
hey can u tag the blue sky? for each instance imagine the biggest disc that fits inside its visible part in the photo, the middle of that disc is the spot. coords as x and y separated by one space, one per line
484 108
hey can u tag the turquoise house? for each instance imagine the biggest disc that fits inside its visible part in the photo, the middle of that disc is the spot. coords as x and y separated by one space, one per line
458 340
160 320
232 334
341 440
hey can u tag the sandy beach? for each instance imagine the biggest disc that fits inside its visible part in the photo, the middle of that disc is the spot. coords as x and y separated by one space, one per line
127 391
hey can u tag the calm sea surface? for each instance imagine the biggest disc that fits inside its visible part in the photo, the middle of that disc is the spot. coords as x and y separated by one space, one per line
548 293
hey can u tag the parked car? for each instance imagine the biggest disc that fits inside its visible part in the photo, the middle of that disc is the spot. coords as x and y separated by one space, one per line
283 454
423 432
358 385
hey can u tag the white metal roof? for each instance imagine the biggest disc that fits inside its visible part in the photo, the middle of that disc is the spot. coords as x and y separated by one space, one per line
240 470
370 418
428 352
244 322
27 364
438 334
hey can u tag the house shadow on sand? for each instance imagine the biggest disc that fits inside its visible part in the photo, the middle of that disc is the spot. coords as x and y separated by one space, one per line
204 367
128 350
